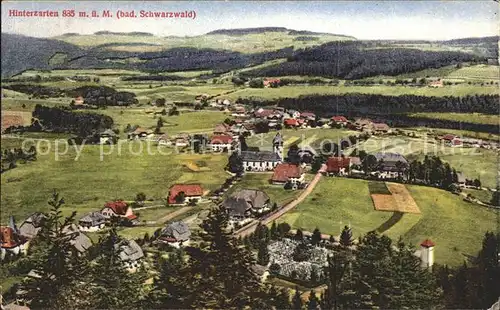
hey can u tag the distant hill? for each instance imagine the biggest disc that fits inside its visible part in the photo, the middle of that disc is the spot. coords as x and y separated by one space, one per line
20 53
243 31
134 33
477 40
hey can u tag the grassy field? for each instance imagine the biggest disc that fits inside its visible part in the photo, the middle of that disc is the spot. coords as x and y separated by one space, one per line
478 72
193 122
300 90
464 133
477 118
484 196
87 183
457 227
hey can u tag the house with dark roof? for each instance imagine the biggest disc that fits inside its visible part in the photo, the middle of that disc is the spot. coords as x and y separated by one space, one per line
338 166
108 136
362 124
380 128
221 143
131 254
120 209
92 221
184 193
246 202
264 160
80 241
176 233
308 116
32 225
391 165
288 173
141 134
222 129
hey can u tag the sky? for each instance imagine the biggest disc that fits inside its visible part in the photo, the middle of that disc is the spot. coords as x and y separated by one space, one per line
412 20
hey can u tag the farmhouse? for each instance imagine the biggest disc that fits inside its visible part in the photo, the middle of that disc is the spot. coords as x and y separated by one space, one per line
120 209
271 82
79 101
32 225
239 111
391 165
164 140
130 253
92 221
263 113
339 120
221 143
246 202
222 129
77 239
288 173
292 114
362 124
436 84
12 242
108 137
292 122
338 166
176 233
308 116
184 193
140 134
380 128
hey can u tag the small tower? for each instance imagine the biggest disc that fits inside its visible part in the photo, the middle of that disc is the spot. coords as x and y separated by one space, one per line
278 145
427 253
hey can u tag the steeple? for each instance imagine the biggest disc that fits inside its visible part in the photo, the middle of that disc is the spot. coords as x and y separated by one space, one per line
427 253
278 145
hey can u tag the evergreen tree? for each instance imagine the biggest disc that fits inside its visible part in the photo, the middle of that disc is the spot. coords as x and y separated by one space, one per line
313 301
56 264
274 231
112 284
235 163
346 236
282 300
316 236
299 236
219 270
297 300
263 254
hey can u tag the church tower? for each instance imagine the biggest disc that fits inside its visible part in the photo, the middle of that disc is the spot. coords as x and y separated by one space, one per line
278 145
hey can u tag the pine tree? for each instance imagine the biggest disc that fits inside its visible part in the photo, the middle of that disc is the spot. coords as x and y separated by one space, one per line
316 236
313 301
274 231
282 300
297 300
263 254
55 261
113 286
346 236
219 270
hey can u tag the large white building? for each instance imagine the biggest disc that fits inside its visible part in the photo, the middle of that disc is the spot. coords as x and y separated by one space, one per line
264 160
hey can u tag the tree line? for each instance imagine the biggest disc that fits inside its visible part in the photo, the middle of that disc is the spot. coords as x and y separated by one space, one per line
57 119
10 157
353 60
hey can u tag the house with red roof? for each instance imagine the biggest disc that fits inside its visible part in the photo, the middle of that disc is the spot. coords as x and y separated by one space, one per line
183 193
288 173
118 208
452 140
12 242
436 84
221 143
339 120
338 165
292 122
272 82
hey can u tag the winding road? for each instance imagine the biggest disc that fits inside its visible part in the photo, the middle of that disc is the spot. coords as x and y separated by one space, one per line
250 228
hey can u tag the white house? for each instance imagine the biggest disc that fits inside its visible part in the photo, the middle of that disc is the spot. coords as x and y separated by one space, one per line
221 143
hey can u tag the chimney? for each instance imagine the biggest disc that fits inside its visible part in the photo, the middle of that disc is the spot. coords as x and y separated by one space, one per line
427 253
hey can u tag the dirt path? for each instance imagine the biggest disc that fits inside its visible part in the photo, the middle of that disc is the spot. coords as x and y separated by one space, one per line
251 227
172 215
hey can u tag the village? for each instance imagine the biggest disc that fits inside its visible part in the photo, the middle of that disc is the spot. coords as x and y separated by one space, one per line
247 208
